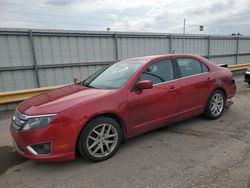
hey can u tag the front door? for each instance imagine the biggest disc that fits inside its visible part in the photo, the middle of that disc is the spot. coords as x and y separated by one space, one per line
152 108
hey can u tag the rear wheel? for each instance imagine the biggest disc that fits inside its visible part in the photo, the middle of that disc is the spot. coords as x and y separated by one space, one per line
100 139
215 105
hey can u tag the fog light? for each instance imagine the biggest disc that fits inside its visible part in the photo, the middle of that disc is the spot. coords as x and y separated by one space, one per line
40 149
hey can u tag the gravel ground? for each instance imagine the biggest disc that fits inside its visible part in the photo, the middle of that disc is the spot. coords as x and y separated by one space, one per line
193 153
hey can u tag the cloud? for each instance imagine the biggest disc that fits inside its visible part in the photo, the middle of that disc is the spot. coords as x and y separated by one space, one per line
168 17
60 2
220 17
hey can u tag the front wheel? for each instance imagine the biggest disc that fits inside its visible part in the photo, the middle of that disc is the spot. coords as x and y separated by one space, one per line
100 139
215 105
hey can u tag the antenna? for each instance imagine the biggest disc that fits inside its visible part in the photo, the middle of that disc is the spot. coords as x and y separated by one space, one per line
175 49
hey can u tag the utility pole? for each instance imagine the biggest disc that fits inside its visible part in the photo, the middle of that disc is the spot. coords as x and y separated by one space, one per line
184 31
184 27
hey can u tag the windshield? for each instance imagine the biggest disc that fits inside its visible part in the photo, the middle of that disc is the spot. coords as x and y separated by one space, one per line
113 76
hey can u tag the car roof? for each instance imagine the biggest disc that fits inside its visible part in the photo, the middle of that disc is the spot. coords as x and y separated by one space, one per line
156 57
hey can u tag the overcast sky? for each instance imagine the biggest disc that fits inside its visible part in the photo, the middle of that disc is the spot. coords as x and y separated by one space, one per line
217 16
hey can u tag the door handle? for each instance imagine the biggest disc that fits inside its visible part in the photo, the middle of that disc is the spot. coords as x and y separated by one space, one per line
209 79
172 88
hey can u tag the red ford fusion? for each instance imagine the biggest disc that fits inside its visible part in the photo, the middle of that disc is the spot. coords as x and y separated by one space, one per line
122 100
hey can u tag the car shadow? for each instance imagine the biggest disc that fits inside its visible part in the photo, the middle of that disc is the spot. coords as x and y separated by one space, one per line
12 159
9 158
173 128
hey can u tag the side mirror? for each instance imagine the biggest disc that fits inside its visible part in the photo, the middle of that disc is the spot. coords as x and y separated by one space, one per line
144 84
76 81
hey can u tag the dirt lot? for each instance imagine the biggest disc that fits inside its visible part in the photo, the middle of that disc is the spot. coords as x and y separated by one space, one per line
193 153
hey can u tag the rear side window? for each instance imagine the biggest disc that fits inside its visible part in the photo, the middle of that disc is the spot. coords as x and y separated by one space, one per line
160 71
189 66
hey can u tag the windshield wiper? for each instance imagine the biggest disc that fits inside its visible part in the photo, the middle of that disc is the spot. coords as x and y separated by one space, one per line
90 86
87 85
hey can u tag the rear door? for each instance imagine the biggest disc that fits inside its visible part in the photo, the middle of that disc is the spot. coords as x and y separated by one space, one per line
196 84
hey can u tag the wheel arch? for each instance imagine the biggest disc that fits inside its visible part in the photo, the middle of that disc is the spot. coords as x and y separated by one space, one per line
116 118
222 89
216 88
111 115
207 111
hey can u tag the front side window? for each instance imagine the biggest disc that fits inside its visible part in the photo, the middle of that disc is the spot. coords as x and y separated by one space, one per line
189 66
204 68
113 76
161 71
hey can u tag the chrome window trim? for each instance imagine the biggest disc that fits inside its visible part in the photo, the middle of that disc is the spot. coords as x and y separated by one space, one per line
192 75
165 82
180 78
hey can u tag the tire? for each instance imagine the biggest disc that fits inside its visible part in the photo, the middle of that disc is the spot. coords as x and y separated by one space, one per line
100 139
248 83
217 98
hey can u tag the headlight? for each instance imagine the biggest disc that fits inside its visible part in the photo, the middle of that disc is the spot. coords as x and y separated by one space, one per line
37 122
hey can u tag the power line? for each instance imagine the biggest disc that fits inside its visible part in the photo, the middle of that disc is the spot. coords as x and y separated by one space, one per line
50 22
64 23
53 15
72 16
18 13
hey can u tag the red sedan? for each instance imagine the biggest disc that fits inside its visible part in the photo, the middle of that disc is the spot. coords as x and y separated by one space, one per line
125 99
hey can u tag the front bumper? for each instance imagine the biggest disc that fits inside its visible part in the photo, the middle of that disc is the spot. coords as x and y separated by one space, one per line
22 140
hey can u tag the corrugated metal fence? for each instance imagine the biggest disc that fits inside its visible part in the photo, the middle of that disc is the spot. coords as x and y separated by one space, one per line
37 58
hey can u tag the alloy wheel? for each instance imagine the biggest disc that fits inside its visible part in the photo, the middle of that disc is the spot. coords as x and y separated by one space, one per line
102 140
217 104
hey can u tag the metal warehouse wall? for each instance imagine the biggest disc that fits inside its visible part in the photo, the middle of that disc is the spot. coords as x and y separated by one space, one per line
38 58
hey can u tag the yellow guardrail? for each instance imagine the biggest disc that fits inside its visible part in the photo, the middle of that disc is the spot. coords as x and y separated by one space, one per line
239 67
20 95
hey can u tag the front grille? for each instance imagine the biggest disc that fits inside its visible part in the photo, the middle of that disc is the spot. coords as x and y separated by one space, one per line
18 120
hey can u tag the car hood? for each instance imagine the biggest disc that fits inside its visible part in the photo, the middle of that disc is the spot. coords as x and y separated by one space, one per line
60 99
